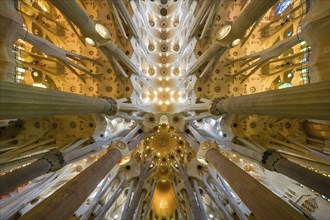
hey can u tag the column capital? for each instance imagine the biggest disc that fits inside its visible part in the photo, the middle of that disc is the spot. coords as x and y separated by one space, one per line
121 146
55 159
213 107
270 158
225 36
204 147
113 106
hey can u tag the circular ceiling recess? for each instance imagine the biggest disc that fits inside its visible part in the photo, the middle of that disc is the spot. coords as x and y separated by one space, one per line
164 2
163 12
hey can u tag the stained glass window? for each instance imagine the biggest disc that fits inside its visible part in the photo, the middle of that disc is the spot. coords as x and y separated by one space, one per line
282 6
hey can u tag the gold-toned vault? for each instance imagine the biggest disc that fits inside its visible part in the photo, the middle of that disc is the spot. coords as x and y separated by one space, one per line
164 109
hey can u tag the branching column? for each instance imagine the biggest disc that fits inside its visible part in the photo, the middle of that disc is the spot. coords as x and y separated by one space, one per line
137 193
260 200
275 162
65 201
251 14
310 101
72 10
88 28
22 101
254 11
190 192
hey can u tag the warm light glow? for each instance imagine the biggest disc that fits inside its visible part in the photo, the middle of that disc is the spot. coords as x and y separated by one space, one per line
102 31
40 85
224 31
124 160
90 41
202 160
236 42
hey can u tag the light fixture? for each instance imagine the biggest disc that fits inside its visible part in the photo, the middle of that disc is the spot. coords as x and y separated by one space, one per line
90 41
211 216
236 42
224 31
202 160
102 31
124 160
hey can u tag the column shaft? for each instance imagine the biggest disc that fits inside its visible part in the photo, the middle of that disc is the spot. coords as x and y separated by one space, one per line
311 179
22 101
251 14
199 199
206 56
14 179
65 201
51 162
135 201
72 10
192 199
260 200
310 101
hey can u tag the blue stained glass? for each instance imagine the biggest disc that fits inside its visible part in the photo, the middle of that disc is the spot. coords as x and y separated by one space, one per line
304 60
282 6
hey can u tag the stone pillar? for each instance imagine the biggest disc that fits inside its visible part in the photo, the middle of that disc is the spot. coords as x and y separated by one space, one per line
140 206
199 199
51 162
103 211
146 210
123 9
251 14
129 214
201 13
206 56
310 101
129 195
111 49
260 200
315 31
215 198
273 161
22 101
64 202
10 25
72 10
189 191
178 201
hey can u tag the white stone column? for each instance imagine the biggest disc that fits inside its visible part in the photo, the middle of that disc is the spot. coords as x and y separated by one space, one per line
310 101
22 101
